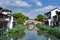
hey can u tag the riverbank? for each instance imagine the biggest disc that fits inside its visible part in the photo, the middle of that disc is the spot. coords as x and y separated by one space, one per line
52 31
16 29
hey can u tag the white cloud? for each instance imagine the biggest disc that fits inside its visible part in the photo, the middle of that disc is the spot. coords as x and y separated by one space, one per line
45 9
19 3
0 3
22 4
38 3
6 2
37 11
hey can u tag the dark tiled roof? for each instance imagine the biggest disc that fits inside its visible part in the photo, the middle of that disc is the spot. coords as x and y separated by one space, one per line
5 10
1 8
47 13
50 11
53 9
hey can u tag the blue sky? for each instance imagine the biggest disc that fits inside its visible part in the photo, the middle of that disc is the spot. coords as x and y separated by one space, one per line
30 8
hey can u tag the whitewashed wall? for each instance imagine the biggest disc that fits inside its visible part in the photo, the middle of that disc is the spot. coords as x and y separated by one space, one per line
10 23
5 13
53 13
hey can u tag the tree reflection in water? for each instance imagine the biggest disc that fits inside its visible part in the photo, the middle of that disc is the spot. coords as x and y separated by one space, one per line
16 36
49 36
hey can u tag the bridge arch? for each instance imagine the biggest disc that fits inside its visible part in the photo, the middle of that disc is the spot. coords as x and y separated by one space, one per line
30 23
27 22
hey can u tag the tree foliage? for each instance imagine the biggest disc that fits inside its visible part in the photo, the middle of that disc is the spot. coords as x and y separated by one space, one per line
20 17
27 18
40 17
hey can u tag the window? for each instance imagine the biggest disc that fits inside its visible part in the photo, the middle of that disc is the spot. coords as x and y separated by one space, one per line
55 18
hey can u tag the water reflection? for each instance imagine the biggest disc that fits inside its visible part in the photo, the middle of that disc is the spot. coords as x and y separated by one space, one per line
31 27
16 36
32 35
48 36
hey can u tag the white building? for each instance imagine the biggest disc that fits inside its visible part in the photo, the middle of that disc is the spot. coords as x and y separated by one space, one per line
52 18
6 18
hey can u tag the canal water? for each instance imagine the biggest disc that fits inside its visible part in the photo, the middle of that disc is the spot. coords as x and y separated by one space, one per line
30 35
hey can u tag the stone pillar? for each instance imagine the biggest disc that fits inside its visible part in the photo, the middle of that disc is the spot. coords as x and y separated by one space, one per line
10 23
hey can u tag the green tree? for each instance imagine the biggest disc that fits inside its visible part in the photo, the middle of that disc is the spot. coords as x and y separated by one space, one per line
40 17
20 17
27 18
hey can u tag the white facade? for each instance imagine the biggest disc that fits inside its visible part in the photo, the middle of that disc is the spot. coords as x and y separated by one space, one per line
10 20
6 19
10 23
53 13
5 13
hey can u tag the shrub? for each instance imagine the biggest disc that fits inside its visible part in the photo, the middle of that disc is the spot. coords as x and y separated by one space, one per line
16 29
52 31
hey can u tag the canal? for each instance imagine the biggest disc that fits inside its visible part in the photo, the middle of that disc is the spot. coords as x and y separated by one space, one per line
30 34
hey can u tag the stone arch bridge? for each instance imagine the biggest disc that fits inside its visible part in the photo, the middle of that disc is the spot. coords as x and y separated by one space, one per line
34 21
